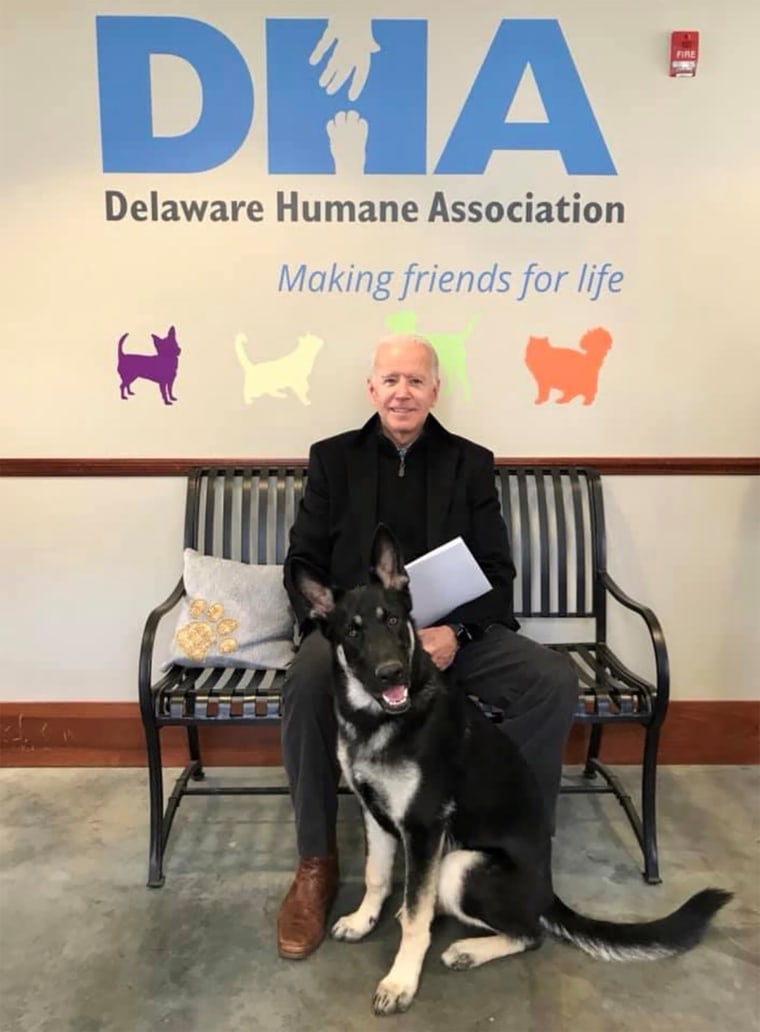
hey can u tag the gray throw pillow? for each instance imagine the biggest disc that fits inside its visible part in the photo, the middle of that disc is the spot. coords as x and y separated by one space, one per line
233 615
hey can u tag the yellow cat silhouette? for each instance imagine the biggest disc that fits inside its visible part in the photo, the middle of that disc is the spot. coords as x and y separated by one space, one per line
277 376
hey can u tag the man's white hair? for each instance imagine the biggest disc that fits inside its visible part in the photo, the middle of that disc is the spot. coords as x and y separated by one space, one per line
401 340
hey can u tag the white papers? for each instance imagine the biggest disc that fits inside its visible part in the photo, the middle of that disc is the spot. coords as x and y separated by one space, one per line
443 579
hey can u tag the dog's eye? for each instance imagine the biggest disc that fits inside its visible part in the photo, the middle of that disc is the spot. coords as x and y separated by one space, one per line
392 621
352 631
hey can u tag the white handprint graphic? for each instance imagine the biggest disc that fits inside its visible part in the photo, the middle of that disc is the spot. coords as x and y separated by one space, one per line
351 33
347 133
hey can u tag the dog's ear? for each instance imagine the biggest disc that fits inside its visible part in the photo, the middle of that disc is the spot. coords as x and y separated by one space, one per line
387 563
319 597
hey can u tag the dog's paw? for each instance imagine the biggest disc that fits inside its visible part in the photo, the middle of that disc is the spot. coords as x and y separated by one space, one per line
457 959
392 997
353 927
196 638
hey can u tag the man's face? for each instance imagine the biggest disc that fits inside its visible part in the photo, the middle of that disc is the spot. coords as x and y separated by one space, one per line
402 389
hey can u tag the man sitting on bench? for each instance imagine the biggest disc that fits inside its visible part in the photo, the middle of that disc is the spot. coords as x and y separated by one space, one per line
403 468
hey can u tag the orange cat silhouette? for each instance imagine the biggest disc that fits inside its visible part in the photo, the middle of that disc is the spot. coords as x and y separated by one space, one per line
572 372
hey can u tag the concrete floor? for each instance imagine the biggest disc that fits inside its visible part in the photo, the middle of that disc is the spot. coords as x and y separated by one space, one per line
86 947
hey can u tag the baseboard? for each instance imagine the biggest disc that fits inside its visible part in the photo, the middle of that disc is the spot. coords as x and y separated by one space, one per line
109 734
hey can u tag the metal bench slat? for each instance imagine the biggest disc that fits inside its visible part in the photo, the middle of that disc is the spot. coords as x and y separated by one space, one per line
543 544
580 543
559 515
526 554
245 515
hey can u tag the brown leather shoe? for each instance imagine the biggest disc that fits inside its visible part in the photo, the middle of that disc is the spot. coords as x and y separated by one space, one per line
302 920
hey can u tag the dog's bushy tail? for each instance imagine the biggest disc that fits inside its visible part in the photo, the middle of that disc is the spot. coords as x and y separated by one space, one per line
646 940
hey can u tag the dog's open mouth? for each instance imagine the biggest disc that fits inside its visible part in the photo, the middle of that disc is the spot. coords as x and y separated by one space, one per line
396 697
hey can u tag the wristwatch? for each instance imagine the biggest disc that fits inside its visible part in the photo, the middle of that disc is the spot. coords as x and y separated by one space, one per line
461 633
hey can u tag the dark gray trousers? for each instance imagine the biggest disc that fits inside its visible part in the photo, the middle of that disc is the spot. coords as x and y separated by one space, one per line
536 688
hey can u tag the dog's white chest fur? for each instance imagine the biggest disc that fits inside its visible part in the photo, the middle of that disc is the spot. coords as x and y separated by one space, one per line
394 785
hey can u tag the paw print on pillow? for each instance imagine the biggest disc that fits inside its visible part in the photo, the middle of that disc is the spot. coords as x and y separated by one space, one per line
196 638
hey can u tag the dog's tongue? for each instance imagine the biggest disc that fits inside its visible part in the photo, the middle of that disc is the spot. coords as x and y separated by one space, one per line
395 695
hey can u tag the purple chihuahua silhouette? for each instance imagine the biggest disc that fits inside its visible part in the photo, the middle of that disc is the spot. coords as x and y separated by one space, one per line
161 368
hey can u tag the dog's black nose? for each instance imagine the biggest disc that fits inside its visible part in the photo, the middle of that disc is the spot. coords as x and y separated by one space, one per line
389 672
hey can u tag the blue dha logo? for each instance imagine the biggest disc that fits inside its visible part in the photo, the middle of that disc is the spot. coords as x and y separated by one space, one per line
394 102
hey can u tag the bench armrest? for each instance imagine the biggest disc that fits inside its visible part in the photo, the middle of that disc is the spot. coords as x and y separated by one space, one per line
662 663
149 637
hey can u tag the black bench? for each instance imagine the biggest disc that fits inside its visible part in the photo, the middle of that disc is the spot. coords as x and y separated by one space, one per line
555 516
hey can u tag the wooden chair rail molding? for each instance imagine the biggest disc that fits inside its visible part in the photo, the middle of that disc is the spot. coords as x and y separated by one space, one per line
109 734
178 467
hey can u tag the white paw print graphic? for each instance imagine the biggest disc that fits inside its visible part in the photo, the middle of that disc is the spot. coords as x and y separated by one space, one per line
347 133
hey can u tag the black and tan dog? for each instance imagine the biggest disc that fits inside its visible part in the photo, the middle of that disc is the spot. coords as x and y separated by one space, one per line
432 772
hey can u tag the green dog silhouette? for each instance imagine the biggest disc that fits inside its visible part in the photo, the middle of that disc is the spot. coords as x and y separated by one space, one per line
448 346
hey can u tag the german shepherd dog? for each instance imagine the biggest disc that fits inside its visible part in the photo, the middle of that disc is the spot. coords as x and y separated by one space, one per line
432 772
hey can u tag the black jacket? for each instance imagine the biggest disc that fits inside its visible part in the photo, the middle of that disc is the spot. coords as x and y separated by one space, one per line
336 520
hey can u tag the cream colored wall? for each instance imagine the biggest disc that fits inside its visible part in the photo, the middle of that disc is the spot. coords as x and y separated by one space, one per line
677 381
83 561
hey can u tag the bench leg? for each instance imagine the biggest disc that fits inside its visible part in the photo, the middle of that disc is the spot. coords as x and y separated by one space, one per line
648 806
594 745
155 783
194 746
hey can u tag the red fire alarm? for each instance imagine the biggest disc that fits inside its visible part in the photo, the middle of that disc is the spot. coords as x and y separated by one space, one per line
684 53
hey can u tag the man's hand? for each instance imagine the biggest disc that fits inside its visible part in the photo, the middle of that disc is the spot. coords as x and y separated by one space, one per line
440 644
